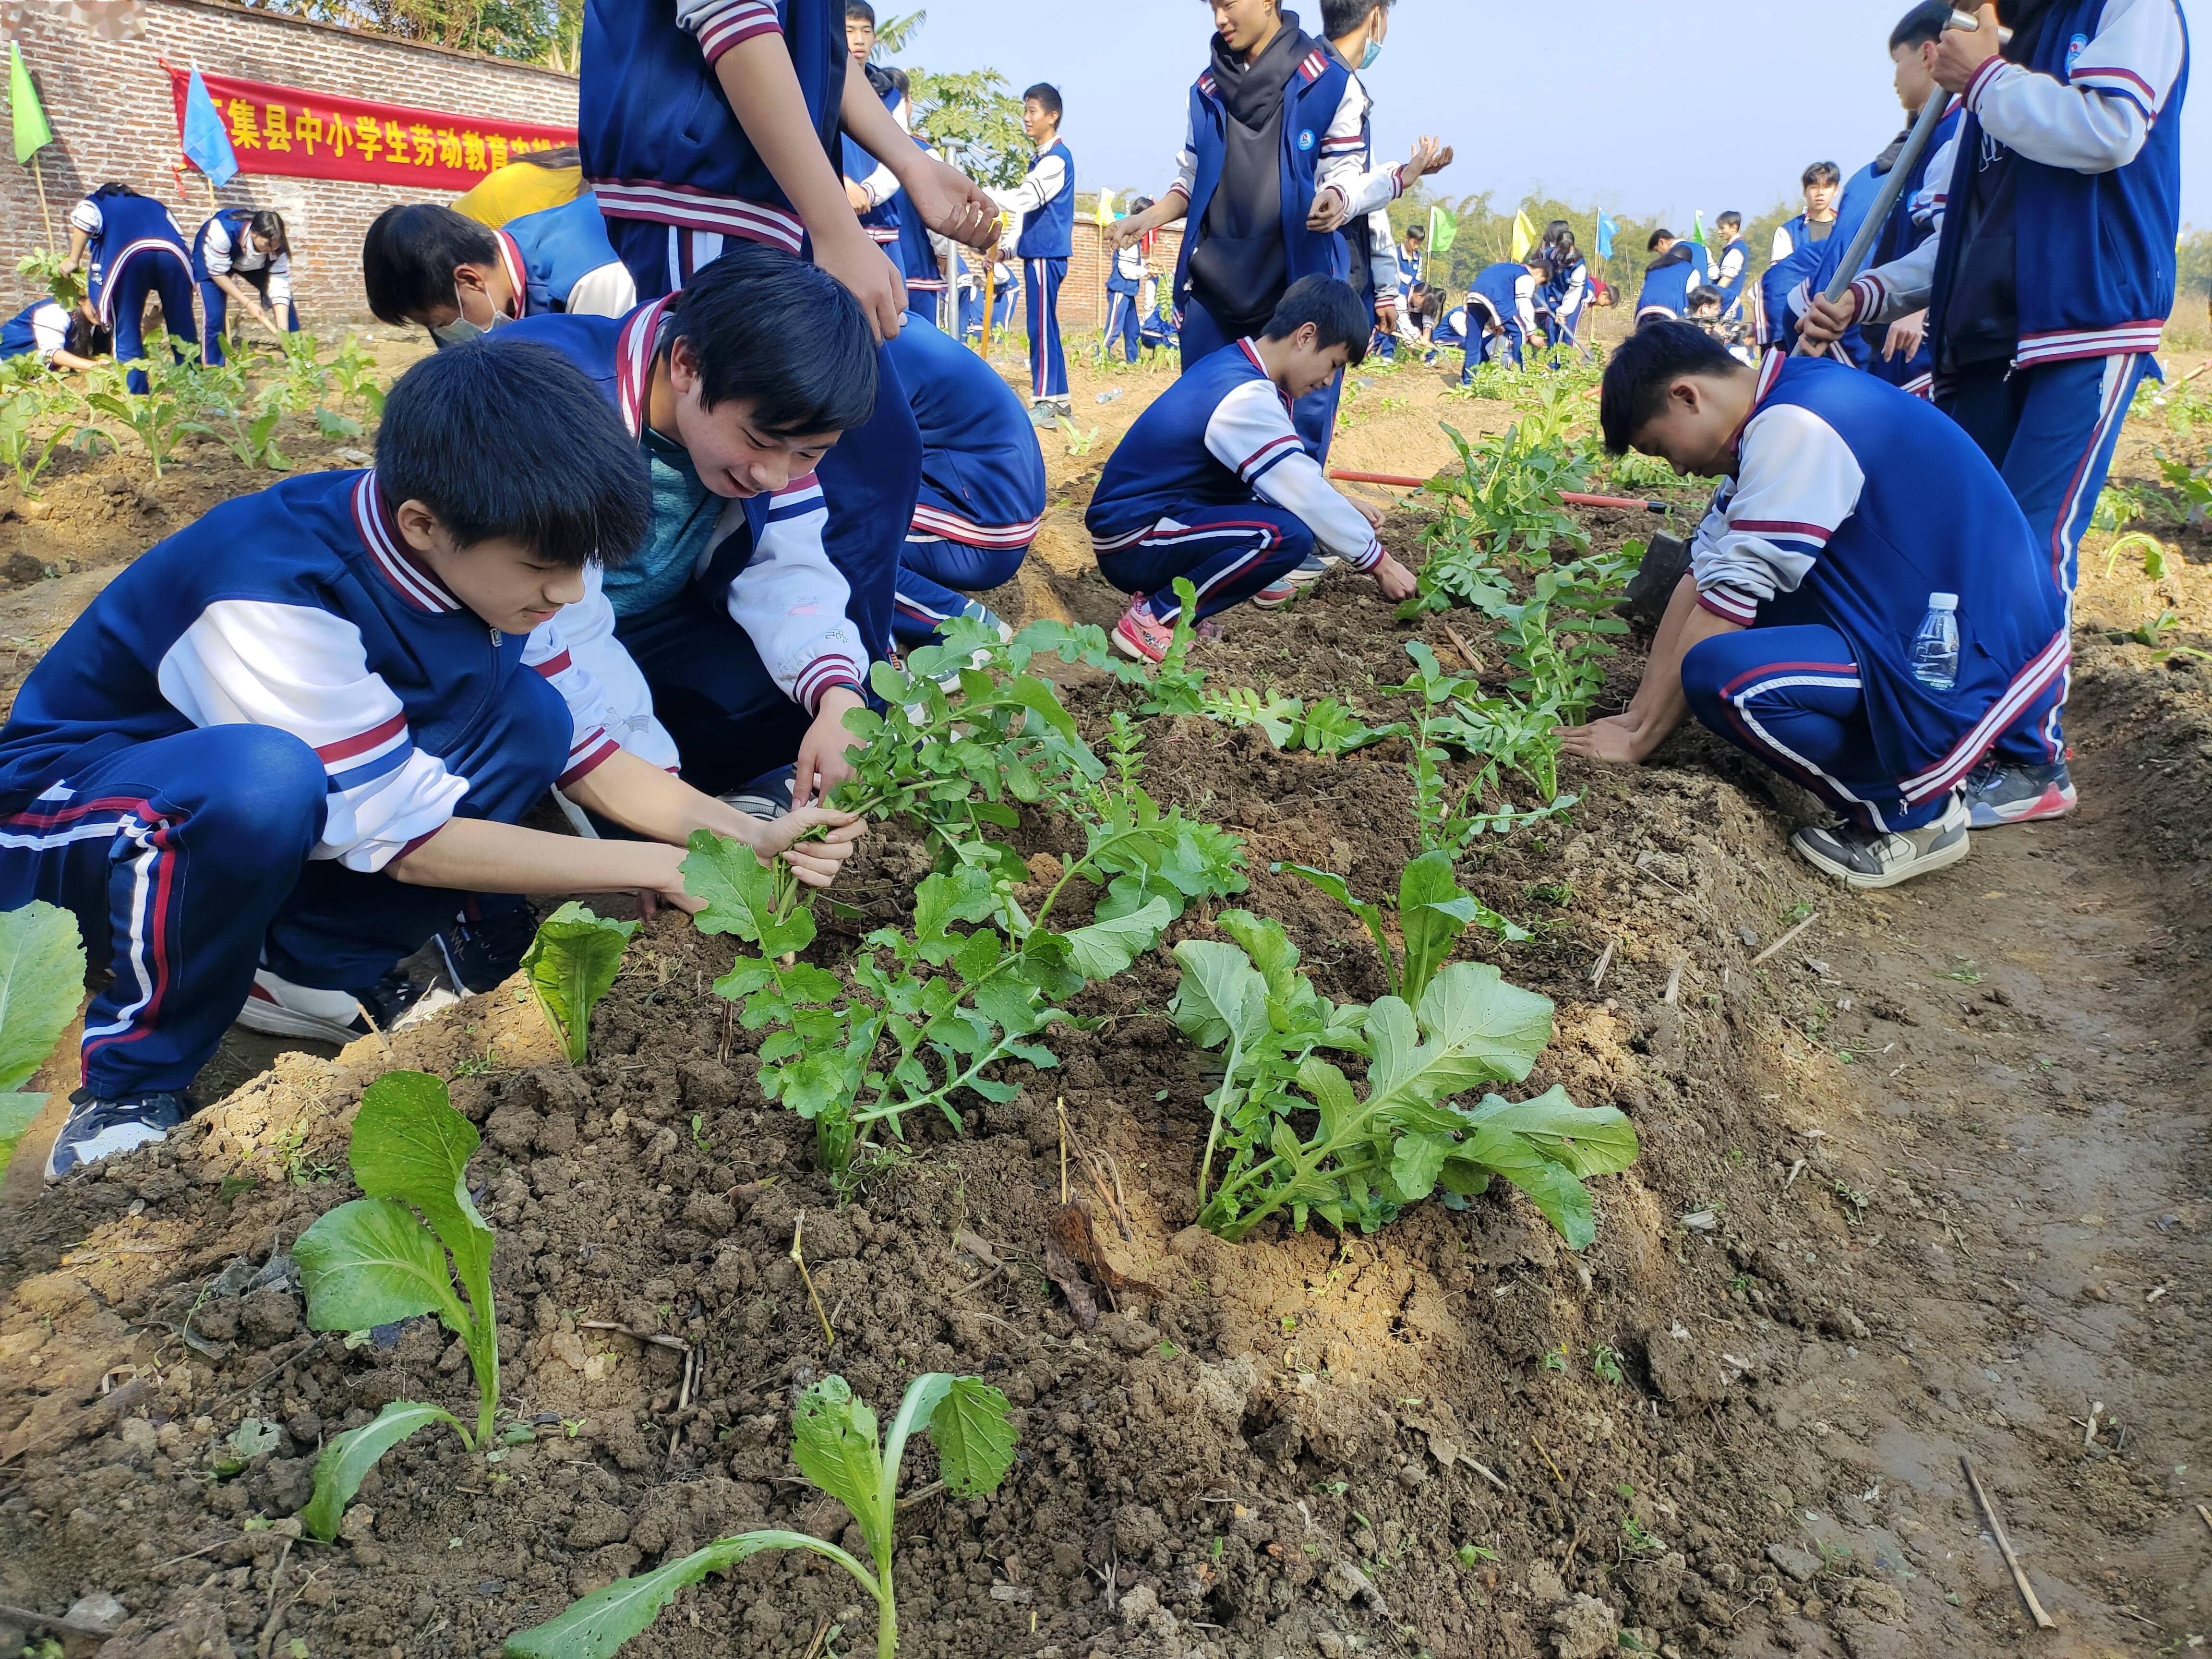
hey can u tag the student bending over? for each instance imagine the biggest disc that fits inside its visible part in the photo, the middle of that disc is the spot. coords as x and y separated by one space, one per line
1855 521
1213 482
267 759
59 338
432 267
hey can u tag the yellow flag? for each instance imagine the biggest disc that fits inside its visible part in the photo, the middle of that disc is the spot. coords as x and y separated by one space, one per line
1524 234
1105 214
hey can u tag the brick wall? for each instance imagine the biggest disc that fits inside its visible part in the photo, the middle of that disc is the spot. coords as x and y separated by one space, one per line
113 117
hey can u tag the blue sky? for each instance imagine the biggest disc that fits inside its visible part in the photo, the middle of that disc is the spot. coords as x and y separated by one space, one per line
1660 109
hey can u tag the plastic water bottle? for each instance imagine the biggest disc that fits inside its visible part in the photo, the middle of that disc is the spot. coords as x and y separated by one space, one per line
1936 646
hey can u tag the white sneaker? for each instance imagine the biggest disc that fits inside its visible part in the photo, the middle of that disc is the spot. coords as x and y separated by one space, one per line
277 1007
1873 858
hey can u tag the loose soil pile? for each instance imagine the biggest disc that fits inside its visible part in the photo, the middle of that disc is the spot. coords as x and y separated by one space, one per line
1908 1186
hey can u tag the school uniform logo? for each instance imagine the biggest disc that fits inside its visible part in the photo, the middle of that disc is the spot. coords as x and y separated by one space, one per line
2075 48
1305 139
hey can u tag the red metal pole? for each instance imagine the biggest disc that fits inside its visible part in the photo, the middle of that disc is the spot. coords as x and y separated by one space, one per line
1572 499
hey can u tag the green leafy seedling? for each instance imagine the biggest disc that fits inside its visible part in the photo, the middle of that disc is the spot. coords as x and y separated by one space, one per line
383 1258
41 983
837 1447
571 964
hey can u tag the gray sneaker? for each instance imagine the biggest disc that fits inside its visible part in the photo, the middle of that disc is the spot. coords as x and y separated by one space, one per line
100 1129
1876 857
1998 795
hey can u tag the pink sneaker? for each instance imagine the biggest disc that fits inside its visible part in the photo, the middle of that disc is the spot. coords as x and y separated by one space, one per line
1276 593
1141 634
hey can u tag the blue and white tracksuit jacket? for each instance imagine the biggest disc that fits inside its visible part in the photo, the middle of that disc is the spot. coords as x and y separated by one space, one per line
1667 281
560 259
2094 127
1214 482
1563 296
919 260
1045 199
983 480
1730 270
136 250
1851 503
224 248
767 564
212 766
661 146
41 327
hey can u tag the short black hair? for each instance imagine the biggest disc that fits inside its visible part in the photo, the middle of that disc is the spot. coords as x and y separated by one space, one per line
1138 205
87 338
579 490
1822 172
1046 94
1413 231
783 333
553 159
1705 294
1924 23
1731 218
900 79
859 11
407 257
1339 316
1644 366
1339 17
1651 245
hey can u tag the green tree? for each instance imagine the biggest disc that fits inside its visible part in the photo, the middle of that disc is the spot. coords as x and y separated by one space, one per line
534 31
977 121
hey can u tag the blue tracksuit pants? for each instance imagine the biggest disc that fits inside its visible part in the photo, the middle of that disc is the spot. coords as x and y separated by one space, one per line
2051 431
1486 347
184 860
870 478
1041 281
1229 553
215 317
731 721
935 577
1122 322
146 274
1790 697
1313 415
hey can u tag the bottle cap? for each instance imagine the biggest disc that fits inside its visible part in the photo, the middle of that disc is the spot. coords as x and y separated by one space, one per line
1943 601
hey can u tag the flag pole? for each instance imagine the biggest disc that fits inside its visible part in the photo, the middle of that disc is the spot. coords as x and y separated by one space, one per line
39 173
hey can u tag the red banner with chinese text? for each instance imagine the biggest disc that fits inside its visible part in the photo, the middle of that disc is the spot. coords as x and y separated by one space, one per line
313 134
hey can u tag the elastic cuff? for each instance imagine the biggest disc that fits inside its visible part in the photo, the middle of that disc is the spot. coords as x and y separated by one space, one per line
1370 556
733 24
821 676
1987 72
1397 180
1871 293
586 758
1728 604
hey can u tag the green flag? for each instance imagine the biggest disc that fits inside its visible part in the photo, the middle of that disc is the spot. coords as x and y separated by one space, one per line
1442 227
32 132
1697 230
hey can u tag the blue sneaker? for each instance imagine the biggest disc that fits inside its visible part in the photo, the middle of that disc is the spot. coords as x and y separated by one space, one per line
1999 795
100 1129
481 951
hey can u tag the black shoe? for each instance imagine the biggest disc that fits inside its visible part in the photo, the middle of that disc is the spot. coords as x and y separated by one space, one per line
277 1007
768 796
1876 857
481 952
100 1129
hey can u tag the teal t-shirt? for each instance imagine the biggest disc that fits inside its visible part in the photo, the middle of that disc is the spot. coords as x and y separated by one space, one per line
685 513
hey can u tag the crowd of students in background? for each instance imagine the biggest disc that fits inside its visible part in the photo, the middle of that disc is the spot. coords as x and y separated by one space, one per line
290 748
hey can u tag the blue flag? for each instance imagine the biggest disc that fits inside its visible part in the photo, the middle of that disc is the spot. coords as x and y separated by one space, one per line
207 145
1607 224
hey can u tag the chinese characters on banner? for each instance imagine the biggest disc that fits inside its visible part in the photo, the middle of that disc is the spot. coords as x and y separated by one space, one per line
313 134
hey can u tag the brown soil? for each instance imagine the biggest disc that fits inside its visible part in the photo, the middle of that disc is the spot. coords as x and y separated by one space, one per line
1929 1181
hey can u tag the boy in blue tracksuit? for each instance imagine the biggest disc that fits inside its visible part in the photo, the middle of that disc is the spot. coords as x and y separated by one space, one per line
1850 513
2048 285
871 185
1045 199
136 250
1676 267
1501 311
680 177
982 485
1215 483
745 632
1125 286
1822 183
431 267
1733 265
246 255
1248 207
1786 288
266 762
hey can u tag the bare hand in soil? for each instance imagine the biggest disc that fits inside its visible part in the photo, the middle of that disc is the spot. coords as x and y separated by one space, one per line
1617 739
821 751
815 862
1394 580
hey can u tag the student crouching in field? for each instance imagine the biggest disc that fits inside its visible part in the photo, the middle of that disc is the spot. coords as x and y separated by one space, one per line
264 764
243 254
59 338
1214 484
1865 611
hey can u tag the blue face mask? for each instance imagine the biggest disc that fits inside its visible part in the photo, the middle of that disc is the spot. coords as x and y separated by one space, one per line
1374 51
